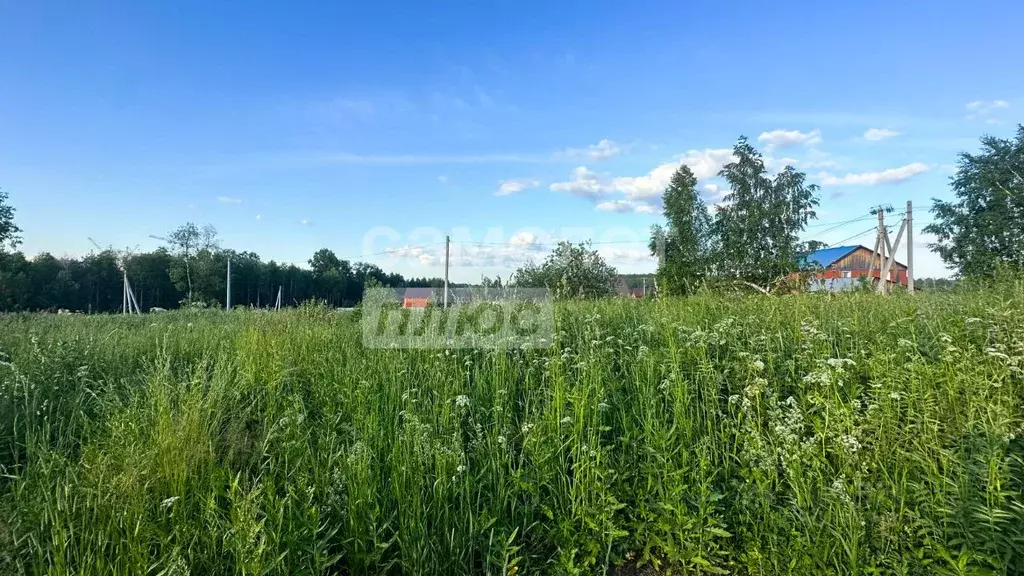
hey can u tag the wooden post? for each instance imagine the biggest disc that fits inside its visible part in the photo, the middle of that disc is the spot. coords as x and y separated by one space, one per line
883 288
909 220
447 244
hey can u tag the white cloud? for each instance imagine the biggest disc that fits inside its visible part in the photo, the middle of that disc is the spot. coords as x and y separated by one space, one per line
259 217
305 222
982 108
715 193
641 193
506 187
876 134
647 186
524 239
778 164
603 150
625 255
616 206
585 184
888 176
785 138
703 163
417 253
228 200
522 246
708 162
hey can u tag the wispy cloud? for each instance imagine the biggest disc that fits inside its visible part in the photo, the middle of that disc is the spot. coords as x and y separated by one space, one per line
603 150
787 138
877 134
888 176
259 217
982 109
616 206
228 200
507 187
715 193
304 223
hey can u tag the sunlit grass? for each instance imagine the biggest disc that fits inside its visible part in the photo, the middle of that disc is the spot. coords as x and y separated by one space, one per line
791 435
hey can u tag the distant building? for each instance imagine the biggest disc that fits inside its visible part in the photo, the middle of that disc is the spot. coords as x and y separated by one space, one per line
622 289
844 266
423 297
417 297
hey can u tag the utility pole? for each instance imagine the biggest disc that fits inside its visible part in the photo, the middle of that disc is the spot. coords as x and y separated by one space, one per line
883 248
883 287
879 244
447 245
129 305
909 220
228 299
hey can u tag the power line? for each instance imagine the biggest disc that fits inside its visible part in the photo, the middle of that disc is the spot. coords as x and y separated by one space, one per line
390 251
872 229
550 244
837 224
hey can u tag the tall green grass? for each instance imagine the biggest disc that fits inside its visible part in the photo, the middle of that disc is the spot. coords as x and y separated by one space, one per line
793 435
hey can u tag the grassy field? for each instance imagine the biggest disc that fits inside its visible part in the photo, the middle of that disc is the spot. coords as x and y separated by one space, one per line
790 435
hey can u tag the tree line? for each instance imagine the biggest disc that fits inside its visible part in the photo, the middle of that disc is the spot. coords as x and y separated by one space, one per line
190 271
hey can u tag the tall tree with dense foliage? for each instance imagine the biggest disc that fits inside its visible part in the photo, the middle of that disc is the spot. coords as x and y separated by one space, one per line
188 242
684 244
570 271
333 275
8 230
984 227
759 225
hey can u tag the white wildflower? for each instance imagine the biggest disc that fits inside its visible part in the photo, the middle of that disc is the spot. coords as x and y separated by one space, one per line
850 443
462 400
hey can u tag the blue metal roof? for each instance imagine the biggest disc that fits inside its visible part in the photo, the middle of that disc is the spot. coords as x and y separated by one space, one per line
827 256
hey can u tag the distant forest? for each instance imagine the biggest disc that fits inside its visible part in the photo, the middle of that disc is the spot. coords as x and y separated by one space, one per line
160 279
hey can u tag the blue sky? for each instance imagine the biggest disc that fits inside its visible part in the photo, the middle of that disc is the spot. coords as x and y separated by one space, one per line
375 126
